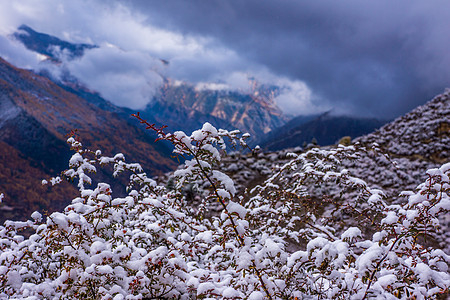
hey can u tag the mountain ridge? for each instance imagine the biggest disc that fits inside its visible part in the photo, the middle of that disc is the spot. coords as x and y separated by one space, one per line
405 137
325 129
47 45
254 111
37 114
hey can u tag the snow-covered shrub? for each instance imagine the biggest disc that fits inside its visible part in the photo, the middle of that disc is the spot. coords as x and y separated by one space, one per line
274 245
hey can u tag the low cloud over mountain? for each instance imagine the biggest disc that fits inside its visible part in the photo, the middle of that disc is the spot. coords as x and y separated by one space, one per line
373 59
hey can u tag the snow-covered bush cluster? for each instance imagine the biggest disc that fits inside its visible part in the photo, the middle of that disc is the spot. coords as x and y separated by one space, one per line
271 244
422 133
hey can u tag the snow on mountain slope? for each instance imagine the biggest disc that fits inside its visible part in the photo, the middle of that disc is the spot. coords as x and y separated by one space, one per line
414 143
424 133
7 109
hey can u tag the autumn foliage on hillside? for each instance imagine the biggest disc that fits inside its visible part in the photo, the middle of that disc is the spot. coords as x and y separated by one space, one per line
271 244
35 116
22 181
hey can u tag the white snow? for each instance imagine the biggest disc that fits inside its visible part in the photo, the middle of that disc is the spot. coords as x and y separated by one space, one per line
205 287
390 218
225 181
234 207
386 280
230 292
351 233
256 295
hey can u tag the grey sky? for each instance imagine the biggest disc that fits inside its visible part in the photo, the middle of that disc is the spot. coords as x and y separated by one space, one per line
377 58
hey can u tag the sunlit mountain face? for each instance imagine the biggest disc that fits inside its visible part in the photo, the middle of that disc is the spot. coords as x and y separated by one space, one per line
255 113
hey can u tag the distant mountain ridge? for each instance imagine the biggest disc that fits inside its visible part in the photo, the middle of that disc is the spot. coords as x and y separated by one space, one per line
325 129
48 45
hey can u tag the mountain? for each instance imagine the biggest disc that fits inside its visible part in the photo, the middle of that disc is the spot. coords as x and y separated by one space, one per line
417 141
181 106
424 133
325 129
35 116
254 113
48 45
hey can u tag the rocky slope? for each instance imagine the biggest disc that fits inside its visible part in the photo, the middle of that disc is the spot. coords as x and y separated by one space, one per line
417 141
422 134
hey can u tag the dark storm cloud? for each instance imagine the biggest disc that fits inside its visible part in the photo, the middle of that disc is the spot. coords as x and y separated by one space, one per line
370 57
377 58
